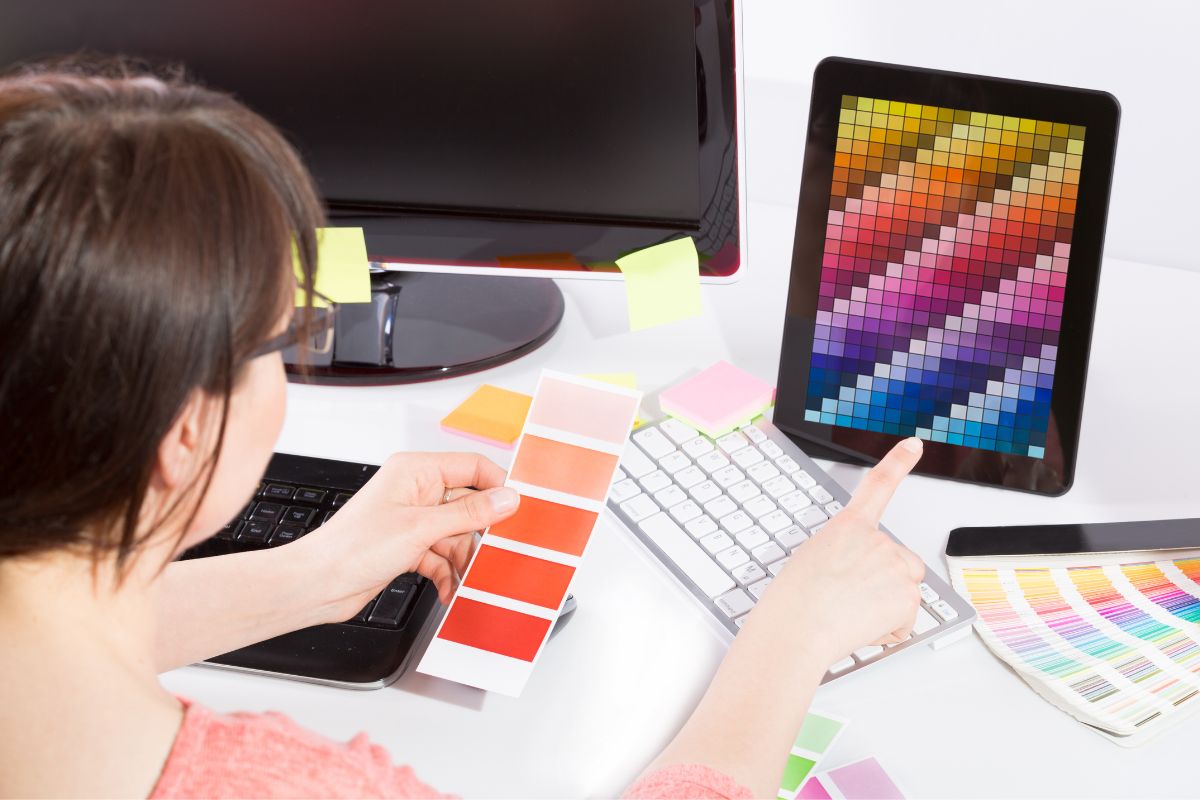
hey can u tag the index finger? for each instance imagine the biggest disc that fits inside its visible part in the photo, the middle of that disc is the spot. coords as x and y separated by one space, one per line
877 487
469 469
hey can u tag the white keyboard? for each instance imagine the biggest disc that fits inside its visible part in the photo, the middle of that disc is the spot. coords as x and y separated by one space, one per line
725 515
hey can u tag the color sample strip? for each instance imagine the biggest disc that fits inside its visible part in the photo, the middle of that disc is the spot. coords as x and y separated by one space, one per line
861 780
565 463
1117 645
815 739
944 274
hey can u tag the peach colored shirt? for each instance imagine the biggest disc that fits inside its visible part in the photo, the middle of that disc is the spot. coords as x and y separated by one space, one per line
268 755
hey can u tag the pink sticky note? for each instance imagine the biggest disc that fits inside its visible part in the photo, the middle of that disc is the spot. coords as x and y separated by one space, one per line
864 780
813 789
718 399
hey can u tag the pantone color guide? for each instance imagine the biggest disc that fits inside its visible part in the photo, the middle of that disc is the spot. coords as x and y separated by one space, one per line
865 779
565 461
817 734
1115 642
943 276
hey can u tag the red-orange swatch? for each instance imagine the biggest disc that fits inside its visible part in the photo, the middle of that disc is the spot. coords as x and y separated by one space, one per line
521 577
550 525
564 467
495 629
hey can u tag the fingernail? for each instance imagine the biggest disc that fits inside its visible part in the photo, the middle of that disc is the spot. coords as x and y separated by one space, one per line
503 499
913 445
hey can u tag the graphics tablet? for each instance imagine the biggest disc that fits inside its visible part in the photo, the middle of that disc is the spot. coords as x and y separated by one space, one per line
945 269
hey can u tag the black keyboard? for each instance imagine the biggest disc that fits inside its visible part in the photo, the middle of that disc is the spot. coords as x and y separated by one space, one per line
297 495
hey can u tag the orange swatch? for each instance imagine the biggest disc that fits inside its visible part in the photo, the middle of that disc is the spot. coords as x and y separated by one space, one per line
521 577
495 629
550 525
564 467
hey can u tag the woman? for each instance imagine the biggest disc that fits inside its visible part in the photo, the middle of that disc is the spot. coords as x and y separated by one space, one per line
146 232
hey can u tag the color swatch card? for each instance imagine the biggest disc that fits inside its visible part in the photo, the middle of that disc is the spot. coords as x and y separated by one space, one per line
865 779
815 740
514 587
1111 638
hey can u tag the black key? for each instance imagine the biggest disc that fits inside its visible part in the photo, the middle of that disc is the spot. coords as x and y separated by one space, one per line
286 533
299 515
231 531
278 491
247 510
362 616
314 496
267 512
328 514
393 603
256 532
341 498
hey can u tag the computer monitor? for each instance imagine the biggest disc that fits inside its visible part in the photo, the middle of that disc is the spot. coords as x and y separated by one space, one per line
529 138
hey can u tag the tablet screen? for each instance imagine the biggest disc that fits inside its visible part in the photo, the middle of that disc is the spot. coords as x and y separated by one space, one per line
944 273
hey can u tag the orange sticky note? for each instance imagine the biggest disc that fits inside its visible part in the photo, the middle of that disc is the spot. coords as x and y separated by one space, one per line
491 415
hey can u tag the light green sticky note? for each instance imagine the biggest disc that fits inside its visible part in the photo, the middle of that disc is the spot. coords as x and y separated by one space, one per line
662 283
343 271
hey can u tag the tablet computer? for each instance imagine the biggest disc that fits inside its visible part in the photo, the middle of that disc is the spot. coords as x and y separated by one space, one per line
945 268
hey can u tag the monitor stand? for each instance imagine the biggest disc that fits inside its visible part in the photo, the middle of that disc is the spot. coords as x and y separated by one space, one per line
420 326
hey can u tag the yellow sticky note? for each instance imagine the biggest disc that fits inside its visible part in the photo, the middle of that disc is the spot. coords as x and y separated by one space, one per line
662 283
626 380
491 414
343 271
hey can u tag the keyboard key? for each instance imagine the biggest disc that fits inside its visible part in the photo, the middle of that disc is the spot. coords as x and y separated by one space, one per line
362 616
841 666
685 511
758 587
747 456
716 542
674 461
655 481
689 477
278 491
944 610
393 603
341 498
698 447
758 506
230 532
623 490
640 507
752 433
653 442
675 429
728 476
924 623
732 442
267 512
775 521
247 511
703 492
770 449
762 471
711 462
740 621
743 491
735 603
286 533
670 496
686 555
635 462
621 474
736 522
733 557
868 652
787 464
804 480
811 516
701 526
720 507
778 487
768 553
314 496
325 519
256 532
752 537
928 595
776 567
794 501
299 515
820 494
833 508
791 537
748 573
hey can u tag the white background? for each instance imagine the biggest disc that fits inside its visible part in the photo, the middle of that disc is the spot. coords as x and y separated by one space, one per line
1145 52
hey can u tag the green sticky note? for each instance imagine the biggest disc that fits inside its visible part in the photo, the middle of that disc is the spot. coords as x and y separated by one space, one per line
662 283
817 733
343 271
795 772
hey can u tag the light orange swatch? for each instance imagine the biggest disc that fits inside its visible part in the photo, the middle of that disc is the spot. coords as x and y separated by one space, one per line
563 467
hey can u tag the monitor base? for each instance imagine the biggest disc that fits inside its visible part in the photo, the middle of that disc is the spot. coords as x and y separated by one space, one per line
421 326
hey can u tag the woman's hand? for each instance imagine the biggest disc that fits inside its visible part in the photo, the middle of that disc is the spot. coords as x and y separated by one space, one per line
851 584
397 523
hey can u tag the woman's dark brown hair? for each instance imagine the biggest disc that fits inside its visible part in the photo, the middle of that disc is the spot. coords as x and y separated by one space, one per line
146 230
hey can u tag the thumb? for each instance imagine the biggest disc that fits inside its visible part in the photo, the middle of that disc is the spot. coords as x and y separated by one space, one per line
471 512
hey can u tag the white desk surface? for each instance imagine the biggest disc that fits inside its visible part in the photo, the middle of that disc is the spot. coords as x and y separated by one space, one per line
622 676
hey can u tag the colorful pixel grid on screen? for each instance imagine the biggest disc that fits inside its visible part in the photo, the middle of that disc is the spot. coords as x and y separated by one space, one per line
943 274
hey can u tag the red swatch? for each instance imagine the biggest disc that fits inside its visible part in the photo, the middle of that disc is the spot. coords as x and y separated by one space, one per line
521 577
550 525
495 629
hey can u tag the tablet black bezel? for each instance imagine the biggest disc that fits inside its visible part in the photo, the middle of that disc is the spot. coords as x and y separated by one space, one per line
1100 113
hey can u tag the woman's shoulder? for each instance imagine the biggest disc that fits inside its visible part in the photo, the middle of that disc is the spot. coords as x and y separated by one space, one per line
269 755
